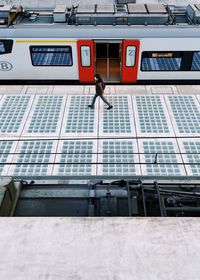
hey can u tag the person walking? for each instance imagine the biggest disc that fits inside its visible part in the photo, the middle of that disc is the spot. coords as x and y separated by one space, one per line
99 92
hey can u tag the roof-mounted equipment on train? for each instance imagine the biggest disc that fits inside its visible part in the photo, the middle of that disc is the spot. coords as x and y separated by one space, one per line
99 14
8 13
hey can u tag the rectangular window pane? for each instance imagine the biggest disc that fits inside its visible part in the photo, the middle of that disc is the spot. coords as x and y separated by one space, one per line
51 56
2 47
130 56
85 56
161 61
196 62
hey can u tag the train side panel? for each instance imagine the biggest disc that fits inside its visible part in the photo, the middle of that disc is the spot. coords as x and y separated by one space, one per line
23 69
168 45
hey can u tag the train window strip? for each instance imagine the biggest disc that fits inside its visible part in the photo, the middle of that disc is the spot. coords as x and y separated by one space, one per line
2 47
51 56
196 62
161 61
170 61
6 46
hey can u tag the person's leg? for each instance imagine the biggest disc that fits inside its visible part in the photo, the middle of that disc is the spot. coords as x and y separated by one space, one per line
93 100
106 101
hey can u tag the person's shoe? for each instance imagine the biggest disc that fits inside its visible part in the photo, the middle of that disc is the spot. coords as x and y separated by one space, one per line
109 107
90 106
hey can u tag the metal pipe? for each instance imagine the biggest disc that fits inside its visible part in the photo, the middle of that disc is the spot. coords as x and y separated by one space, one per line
160 201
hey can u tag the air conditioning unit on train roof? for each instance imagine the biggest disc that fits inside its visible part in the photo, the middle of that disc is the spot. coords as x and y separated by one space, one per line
8 13
60 13
193 12
121 14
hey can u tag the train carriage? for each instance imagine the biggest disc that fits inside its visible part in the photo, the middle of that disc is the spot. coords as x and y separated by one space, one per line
137 44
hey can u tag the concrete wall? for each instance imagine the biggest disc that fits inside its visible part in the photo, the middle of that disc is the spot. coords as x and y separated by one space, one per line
100 248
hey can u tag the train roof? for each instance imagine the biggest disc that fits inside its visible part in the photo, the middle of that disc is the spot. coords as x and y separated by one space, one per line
97 21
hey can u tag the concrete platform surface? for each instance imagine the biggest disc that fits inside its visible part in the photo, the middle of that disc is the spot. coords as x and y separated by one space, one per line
100 248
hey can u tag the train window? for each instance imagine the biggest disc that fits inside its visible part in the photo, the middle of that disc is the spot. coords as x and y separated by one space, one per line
161 61
85 56
6 46
130 55
51 55
2 47
196 62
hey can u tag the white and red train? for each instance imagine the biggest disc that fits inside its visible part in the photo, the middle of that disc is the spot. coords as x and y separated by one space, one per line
33 47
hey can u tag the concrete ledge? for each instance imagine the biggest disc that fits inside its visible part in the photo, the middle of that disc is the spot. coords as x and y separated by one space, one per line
100 248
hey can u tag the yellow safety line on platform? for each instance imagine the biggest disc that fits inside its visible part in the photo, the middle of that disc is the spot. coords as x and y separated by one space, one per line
45 41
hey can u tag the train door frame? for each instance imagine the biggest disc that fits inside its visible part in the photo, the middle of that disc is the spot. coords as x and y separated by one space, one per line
130 63
108 42
85 51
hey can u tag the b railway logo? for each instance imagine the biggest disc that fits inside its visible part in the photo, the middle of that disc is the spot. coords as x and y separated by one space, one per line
5 66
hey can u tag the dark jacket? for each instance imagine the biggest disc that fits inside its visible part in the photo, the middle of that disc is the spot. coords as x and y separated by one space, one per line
99 88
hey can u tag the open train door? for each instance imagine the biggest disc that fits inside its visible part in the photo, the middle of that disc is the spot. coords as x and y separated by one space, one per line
86 60
130 57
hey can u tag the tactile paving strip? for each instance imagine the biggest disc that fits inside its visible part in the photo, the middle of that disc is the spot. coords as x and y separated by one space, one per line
74 153
13 113
6 147
122 152
38 152
45 116
185 114
192 148
79 120
118 120
151 116
166 153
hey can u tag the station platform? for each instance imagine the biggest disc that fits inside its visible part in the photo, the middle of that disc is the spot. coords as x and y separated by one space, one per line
50 131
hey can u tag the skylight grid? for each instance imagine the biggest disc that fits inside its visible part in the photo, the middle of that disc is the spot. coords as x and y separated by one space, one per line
161 158
191 150
118 158
79 120
79 156
119 120
13 111
45 116
185 114
6 147
151 116
38 154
